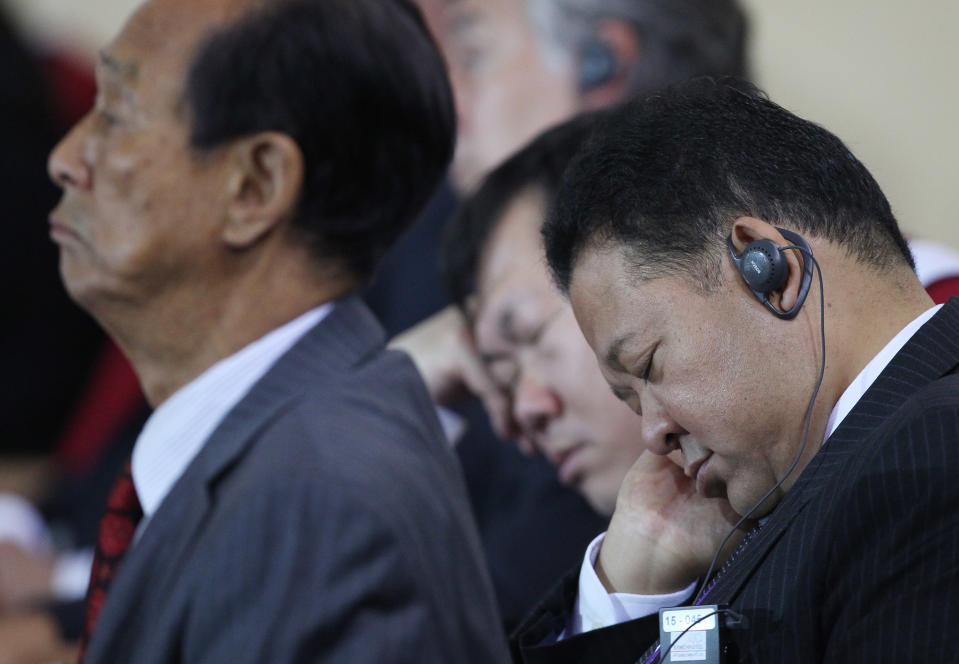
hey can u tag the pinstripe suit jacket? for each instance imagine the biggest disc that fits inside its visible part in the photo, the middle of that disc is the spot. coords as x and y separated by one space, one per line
324 521
860 560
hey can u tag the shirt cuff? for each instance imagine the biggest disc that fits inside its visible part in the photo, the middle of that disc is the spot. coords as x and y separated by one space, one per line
71 575
596 608
453 425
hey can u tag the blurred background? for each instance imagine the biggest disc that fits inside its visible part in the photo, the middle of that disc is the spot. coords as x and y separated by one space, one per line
881 75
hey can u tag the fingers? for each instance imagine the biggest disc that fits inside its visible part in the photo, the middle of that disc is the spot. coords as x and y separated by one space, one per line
437 347
444 353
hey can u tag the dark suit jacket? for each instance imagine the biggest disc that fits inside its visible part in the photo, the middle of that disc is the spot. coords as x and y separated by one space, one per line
860 561
323 521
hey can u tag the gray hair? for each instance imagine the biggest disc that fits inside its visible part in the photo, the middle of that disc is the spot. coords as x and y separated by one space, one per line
678 38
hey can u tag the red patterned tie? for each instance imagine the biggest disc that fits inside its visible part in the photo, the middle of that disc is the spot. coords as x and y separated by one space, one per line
116 534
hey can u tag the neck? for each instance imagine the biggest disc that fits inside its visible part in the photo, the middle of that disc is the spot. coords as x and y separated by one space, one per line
172 340
864 310
867 323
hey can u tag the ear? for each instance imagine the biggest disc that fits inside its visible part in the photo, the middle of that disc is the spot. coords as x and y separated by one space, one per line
750 229
264 187
622 41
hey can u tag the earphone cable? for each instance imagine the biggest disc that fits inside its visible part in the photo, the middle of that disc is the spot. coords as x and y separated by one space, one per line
812 401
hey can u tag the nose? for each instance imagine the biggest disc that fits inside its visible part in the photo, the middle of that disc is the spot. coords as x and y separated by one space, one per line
535 403
68 165
660 432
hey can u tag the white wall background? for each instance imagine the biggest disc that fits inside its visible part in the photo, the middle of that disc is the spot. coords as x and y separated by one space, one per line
880 74
884 77
83 25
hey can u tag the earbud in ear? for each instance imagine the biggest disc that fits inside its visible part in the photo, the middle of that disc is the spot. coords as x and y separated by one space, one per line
597 65
764 268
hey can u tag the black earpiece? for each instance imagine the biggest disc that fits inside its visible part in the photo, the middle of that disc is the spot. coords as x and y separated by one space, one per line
597 65
763 266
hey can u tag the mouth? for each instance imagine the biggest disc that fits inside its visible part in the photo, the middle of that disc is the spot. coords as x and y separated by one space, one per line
697 471
567 463
60 230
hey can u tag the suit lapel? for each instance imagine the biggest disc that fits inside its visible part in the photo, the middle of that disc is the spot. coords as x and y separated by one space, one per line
930 354
345 337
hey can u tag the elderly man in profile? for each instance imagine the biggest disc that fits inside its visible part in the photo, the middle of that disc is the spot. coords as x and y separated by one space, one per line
291 498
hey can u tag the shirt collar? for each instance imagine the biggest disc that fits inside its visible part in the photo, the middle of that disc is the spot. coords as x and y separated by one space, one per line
177 430
851 396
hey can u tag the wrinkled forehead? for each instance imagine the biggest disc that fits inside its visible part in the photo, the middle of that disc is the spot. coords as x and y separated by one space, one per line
514 285
513 255
524 289
508 316
160 39
598 286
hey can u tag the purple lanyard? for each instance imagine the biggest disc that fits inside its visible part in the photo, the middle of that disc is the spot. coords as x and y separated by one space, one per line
719 575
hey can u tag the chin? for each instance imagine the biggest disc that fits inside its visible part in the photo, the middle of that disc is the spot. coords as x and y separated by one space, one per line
78 289
743 505
602 501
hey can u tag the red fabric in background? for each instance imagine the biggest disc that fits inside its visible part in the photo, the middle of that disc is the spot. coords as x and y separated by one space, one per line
942 290
111 395
72 87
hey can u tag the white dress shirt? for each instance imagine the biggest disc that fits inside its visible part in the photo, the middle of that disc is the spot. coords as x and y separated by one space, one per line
176 431
597 608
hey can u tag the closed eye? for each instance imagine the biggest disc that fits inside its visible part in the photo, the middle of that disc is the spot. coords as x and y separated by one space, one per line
108 119
647 368
620 394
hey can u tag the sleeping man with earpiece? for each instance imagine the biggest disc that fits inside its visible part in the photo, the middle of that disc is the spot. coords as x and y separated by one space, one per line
745 288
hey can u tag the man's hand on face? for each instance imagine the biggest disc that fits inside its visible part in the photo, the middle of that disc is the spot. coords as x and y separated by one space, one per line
444 353
663 535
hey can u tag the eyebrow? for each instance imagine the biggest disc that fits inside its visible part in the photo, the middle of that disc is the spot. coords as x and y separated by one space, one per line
121 68
490 358
506 322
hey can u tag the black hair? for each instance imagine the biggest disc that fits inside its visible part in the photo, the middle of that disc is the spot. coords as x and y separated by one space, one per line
539 165
362 89
665 176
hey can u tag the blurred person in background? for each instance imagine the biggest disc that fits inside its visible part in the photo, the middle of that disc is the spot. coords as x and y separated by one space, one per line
529 347
530 357
519 66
